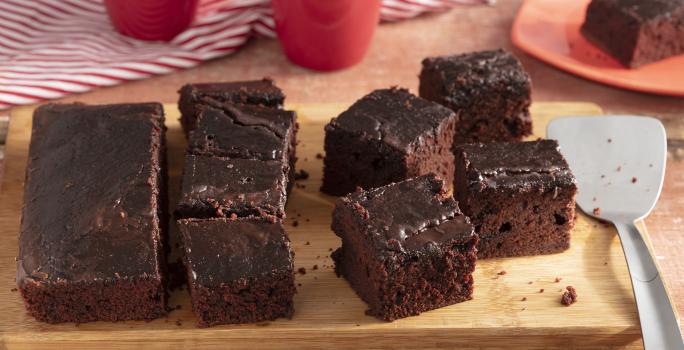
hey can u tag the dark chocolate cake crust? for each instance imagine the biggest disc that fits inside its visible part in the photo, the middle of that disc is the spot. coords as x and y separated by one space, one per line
489 90
387 136
92 236
520 196
636 32
406 247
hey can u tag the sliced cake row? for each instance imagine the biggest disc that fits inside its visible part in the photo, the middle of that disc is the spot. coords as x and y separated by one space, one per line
238 171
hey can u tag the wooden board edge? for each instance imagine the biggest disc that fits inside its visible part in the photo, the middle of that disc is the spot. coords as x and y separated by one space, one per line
424 338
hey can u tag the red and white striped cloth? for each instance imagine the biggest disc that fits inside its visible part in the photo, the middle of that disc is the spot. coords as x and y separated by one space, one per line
52 48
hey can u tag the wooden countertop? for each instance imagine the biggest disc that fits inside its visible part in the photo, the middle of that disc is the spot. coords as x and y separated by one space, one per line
394 59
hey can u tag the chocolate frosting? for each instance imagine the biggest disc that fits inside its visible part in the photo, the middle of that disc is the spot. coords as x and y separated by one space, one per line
223 250
243 131
238 186
522 166
90 202
410 215
393 116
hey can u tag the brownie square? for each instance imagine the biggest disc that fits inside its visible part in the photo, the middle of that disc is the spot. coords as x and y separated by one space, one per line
636 32
520 196
224 187
257 92
406 247
239 271
387 136
489 90
91 246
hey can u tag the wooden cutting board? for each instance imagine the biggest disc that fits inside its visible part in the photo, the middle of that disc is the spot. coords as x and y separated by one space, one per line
328 313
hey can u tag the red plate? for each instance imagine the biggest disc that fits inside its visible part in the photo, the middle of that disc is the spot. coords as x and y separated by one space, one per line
549 31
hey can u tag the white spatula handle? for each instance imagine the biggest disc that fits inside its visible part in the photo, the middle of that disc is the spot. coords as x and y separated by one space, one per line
656 315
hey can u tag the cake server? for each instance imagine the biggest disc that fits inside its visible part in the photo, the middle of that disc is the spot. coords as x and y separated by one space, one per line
619 163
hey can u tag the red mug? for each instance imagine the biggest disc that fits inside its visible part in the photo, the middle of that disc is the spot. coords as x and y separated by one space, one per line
325 34
151 19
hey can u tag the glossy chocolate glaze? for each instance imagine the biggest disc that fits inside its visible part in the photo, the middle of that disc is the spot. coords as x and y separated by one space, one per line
522 166
243 131
410 215
223 186
489 69
90 202
394 116
223 250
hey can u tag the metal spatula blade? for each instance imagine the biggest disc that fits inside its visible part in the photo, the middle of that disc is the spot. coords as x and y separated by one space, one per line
619 162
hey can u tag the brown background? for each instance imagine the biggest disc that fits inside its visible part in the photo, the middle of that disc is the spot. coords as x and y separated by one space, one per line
394 59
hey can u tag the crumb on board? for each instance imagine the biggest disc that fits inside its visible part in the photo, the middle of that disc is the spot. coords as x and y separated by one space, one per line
597 211
603 176
319 156
634 179
530 282
330 249
295 223
307 243
610 140
569 296
558 279
593 199
315 267
502 272
179 323
302 270
541 290
301 175
523 299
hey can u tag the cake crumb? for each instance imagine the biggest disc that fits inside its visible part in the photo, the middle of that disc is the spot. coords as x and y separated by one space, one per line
523 299
541 290
530 282
179 323
13 290
301 175
330 249
315 267
319 156
302 270
634 180
307 243
597 211
502 273
610 140
295 223
299 284
569 296
558 279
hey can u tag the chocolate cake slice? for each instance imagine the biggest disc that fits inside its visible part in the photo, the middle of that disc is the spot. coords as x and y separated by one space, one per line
224 187
256 92
489 90
406 247
387 136
519 195
636 32
239 271
91 246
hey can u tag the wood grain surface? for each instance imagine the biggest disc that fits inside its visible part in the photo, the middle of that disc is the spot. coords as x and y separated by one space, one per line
518 310
394 59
